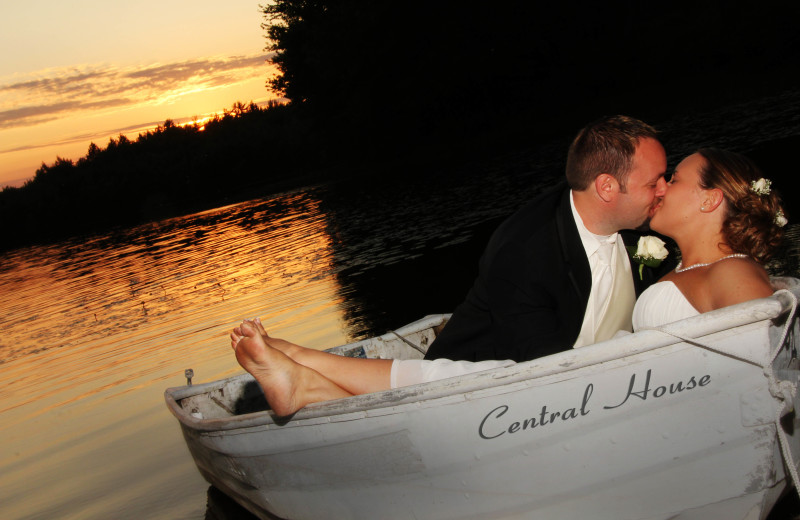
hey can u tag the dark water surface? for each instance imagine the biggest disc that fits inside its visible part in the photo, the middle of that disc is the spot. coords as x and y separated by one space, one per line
94 331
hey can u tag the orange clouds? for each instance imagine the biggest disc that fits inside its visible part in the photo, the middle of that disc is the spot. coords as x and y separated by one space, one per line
59 111
57 93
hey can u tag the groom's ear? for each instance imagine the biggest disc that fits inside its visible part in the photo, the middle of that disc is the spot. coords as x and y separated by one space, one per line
606 186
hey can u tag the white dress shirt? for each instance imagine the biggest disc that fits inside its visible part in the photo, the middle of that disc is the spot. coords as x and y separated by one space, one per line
602 253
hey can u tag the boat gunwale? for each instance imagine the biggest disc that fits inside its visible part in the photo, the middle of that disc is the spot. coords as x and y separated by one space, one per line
642 341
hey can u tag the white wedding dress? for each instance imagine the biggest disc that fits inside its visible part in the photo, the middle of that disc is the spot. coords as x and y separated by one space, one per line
660 303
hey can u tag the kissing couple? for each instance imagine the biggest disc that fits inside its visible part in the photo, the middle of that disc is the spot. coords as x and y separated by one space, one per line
557 274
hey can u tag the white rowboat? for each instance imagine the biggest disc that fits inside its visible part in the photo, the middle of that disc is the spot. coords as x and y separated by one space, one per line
695 420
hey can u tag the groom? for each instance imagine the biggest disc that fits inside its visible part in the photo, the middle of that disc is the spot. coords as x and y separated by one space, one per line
556 274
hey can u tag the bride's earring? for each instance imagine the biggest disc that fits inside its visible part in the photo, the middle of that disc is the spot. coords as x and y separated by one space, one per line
702 208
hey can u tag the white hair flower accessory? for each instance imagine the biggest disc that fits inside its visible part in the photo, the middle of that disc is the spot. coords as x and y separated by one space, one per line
780 219
761 186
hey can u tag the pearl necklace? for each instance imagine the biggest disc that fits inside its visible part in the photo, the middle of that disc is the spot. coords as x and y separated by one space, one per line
680 269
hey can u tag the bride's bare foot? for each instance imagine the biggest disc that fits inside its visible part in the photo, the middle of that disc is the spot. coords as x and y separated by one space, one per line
272 369
288 386
287 347
290 349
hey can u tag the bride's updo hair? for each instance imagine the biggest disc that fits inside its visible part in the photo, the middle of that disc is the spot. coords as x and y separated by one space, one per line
751 224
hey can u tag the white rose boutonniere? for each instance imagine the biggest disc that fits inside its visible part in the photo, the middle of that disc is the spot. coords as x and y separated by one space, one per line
649 251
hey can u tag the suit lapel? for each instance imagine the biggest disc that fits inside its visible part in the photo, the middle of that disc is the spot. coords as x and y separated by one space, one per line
572 252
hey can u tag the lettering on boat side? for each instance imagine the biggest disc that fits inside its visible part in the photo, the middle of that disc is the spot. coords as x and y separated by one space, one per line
660 390
488 431
493 425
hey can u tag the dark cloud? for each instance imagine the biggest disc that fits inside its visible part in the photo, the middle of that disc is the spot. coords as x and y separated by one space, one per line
67 81
183 71
37 114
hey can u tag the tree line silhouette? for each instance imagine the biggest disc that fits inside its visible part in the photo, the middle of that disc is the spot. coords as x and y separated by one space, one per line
380 89
168 171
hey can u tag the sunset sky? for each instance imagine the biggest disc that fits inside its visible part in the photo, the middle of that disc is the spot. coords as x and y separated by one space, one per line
80 71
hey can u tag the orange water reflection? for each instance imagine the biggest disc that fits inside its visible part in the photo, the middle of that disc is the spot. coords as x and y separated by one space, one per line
92 334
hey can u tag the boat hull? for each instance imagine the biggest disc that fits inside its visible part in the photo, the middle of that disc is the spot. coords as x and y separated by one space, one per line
647 426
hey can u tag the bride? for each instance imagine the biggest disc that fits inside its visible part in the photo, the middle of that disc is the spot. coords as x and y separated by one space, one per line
721 212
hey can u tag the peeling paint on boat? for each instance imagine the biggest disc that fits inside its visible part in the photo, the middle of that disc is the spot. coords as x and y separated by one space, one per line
652 425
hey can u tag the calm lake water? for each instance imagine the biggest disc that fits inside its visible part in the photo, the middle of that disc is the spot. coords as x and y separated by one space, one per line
94 330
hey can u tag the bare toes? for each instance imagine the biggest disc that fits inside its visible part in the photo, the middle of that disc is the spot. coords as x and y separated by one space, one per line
260 327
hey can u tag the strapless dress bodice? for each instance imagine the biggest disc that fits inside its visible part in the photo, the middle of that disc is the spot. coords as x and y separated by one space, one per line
661 303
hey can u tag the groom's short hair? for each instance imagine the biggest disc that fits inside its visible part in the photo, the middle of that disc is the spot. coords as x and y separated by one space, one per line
605 146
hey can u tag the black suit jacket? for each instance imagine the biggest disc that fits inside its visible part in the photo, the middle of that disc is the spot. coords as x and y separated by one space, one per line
532 288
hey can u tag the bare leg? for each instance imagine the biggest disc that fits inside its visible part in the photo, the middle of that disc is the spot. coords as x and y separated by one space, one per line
288 386
357 376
